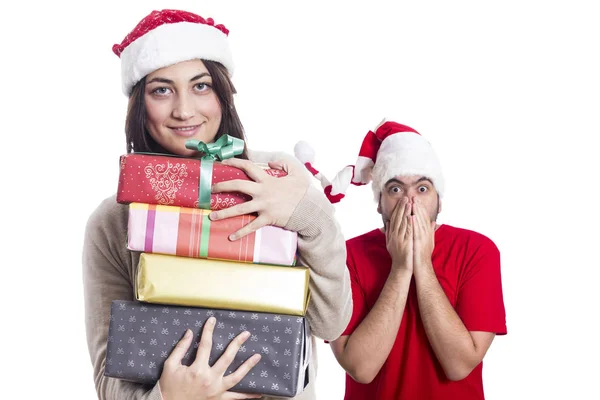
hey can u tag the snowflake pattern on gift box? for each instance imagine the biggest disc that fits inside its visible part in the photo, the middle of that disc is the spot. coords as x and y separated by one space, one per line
273 336
166 180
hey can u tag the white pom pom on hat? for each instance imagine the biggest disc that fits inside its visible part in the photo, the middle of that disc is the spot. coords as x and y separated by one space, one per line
390 150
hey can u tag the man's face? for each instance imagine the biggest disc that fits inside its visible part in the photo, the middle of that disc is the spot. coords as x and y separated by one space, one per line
416 188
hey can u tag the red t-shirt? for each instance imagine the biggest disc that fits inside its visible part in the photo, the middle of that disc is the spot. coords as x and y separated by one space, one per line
467 265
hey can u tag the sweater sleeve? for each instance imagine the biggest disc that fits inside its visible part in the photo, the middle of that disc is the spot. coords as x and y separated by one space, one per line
322 248
108 271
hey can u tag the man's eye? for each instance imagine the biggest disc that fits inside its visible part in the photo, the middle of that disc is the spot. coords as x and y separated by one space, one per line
395 189
423 189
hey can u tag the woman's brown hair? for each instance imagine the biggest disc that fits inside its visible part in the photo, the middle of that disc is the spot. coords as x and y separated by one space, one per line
139 140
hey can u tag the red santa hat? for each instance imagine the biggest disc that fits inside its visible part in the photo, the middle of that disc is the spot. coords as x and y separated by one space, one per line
390 150
167 37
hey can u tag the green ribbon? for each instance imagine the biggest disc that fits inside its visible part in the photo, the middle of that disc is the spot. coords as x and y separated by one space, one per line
223 148
204 236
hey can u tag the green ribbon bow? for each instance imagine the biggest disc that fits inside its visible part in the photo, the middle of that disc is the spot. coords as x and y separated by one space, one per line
223 148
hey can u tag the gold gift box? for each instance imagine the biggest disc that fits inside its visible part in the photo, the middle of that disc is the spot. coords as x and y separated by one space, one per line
193 282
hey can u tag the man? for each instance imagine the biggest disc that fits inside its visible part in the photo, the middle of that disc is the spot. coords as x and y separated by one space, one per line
427 297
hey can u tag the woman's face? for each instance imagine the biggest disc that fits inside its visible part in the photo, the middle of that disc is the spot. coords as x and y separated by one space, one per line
181 105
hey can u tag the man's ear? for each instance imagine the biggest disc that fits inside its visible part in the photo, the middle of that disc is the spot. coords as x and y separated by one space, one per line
379 204
439 205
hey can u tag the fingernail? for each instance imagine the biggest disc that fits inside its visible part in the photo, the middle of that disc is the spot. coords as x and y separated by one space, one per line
212 320
256 358
245 335
213 216
232 237
188 333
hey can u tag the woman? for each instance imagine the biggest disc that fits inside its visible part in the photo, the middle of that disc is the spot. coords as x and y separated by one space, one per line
176 70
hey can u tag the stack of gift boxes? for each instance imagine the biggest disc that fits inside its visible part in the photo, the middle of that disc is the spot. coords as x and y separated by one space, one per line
189 270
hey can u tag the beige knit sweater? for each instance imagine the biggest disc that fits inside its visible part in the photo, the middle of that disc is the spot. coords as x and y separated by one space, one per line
109 269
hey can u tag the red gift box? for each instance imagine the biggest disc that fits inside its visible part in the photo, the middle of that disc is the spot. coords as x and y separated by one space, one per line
175 181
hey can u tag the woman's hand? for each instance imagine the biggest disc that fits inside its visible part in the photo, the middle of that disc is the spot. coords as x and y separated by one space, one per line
274 199
200 381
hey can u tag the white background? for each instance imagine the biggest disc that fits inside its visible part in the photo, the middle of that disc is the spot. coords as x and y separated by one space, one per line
507 93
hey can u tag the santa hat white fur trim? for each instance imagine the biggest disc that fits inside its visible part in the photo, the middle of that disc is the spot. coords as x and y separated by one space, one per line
170 44
406 154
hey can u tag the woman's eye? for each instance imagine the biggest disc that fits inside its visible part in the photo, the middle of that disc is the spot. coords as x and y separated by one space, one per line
202 86
160 91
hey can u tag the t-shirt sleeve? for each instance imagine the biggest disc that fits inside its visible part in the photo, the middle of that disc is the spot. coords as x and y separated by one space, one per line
480 303
359 309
